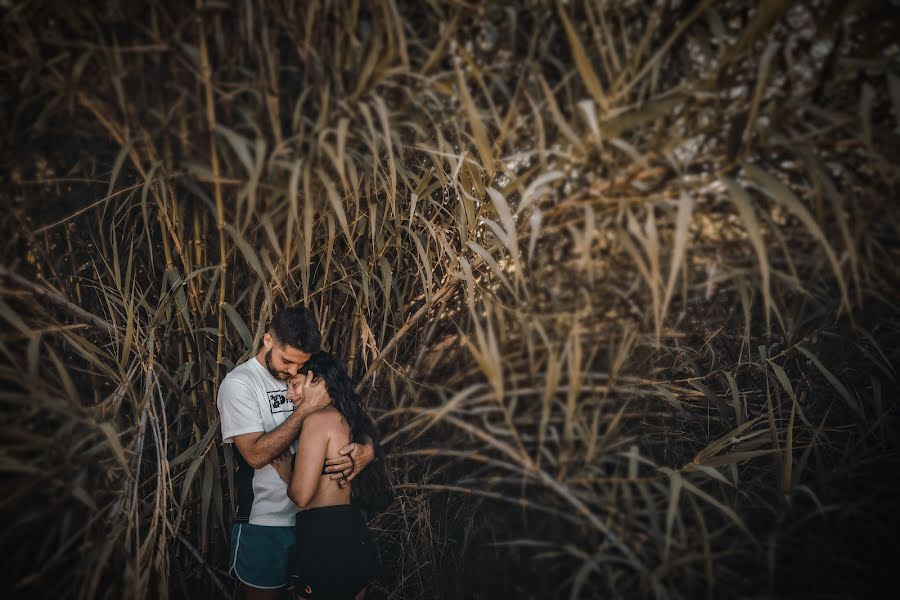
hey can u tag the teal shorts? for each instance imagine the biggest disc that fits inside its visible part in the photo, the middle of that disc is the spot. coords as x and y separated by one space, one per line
262 556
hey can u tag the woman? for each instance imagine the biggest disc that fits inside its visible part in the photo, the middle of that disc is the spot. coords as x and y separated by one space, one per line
335 555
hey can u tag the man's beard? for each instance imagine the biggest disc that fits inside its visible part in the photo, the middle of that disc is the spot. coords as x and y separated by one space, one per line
279 375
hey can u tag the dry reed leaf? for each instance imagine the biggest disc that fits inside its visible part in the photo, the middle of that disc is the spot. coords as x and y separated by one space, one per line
115 445
823 182
10 316
675 486
679 247
336 205
766 16
785 382
534 228
744 204
137 296
239 325
839 387
782 194
558 119
475 124
582 62
736 399
486 256
509 237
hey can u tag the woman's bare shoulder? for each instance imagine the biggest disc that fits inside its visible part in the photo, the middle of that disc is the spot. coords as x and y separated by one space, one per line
328 418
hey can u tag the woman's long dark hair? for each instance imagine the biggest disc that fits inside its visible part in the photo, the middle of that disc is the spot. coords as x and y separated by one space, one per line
371 489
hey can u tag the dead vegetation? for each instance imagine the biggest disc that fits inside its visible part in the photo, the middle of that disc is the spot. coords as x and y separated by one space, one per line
618 279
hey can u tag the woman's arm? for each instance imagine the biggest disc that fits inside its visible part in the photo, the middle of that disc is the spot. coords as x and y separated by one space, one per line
284 465
311 449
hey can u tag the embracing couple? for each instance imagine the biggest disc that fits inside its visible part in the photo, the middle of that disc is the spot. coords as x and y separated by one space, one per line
305 450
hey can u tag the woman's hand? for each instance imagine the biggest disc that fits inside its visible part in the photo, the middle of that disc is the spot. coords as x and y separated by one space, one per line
284 466
343 468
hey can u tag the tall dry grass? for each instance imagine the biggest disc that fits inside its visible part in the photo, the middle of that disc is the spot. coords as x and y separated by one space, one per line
618 280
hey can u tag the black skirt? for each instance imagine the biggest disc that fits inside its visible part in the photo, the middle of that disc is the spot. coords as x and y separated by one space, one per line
335 555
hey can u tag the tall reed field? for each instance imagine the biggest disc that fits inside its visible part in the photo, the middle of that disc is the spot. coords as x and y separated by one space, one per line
617 279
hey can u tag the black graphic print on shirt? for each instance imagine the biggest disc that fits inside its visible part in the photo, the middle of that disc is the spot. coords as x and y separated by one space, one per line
278 401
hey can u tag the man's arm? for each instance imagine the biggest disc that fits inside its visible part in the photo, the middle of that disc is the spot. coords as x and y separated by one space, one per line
341 466
259 449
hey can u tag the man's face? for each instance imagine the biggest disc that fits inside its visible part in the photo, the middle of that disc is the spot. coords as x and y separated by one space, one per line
283 361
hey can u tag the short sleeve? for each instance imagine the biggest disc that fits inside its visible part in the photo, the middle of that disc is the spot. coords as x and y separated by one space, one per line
238 409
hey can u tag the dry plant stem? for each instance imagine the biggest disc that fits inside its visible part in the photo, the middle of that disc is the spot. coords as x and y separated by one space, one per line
206 72
116 132
104 327
609 405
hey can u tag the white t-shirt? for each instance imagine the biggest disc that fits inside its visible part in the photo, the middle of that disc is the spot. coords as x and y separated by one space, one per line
251 400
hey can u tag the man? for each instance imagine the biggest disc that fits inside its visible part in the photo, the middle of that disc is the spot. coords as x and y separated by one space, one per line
262 416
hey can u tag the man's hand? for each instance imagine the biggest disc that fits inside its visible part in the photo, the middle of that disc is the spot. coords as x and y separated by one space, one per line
260 449
343 466
302 391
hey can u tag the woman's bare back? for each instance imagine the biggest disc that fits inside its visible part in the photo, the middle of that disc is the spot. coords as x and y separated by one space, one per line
329 491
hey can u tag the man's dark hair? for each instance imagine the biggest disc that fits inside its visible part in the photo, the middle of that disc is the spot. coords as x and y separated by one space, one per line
296 326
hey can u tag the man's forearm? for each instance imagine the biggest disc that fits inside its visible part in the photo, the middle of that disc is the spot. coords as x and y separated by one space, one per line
338 466
272 444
